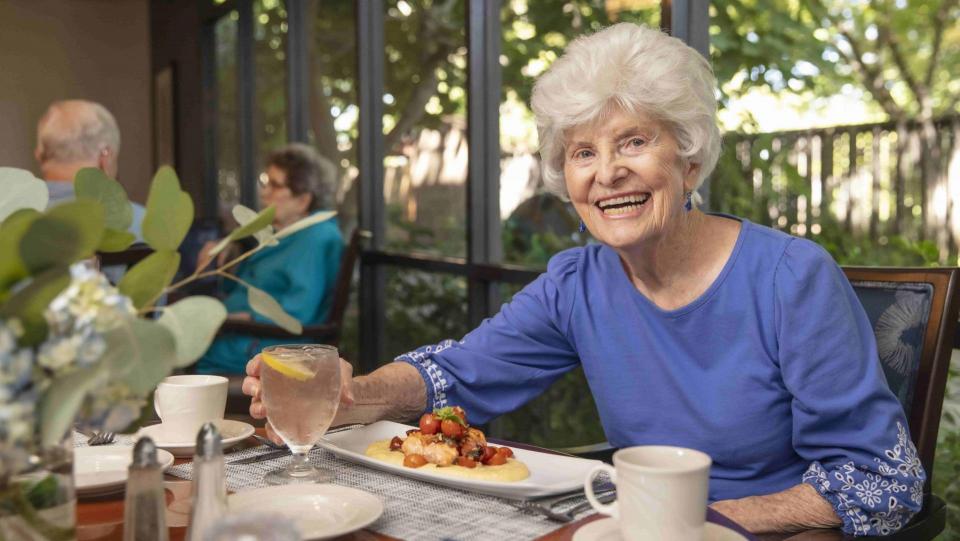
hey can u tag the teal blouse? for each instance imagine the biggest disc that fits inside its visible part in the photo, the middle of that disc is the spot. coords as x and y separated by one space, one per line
299 273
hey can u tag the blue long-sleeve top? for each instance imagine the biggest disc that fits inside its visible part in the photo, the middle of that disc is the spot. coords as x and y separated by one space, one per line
299 273
773 371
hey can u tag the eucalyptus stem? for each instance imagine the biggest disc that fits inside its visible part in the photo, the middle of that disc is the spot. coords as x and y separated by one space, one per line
199 273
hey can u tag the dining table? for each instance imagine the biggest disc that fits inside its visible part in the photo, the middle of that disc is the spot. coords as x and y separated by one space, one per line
102 518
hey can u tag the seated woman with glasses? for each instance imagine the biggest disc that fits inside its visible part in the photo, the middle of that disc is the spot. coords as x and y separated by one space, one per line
300 271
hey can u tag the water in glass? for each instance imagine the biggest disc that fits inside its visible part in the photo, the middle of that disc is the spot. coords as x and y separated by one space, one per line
301 392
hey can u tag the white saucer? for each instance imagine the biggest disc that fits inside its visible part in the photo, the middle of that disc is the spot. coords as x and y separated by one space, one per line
102 469
232 432
320 511
607 529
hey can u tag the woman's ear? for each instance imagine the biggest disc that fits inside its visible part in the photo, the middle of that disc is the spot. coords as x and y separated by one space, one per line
303 203
690 173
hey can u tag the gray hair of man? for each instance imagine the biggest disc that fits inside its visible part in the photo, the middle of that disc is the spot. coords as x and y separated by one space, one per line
74 131
637 69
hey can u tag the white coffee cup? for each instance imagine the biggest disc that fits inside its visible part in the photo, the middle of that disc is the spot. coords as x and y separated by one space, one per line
184 403
661 492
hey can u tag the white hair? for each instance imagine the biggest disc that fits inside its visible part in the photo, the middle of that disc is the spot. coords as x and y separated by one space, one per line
637 69
76 130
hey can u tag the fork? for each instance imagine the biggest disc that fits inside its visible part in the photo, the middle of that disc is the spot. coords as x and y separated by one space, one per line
567 515
101 438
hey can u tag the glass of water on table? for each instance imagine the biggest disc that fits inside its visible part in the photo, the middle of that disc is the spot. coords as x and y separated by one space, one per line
301 391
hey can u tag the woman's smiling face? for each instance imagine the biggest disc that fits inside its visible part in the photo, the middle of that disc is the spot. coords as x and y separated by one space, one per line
625 178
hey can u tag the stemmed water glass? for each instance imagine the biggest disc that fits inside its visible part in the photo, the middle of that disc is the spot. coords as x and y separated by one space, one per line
301 392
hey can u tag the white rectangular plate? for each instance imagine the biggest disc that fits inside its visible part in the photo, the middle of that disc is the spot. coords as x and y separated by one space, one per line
549 474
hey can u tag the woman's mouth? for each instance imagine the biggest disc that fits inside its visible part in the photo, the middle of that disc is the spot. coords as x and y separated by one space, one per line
626 204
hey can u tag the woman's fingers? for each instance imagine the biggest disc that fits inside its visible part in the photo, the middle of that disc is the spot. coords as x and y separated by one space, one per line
251 387
253 367
257 409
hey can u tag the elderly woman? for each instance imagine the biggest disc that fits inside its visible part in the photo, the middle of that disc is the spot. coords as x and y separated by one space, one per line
299 272
697 330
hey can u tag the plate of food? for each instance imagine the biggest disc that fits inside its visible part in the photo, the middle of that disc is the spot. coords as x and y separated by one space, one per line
444 449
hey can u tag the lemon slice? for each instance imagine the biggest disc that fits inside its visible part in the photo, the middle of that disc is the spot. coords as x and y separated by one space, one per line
297 370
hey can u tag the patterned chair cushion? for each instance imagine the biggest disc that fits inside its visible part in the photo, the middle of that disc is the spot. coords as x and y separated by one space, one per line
899 313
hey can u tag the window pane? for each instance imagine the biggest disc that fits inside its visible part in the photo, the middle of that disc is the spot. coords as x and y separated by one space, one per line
228 165
423 308
332 124
536 224
424 126
270 73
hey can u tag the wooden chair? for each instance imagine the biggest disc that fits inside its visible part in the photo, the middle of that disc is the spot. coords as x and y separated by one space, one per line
921 304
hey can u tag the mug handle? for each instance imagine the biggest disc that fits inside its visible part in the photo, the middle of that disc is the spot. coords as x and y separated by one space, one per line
610 509
156 406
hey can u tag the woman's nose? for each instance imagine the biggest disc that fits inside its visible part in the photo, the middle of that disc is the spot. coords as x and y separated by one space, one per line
610 171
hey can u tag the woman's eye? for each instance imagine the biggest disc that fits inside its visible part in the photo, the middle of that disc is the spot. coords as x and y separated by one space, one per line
582 154
635 142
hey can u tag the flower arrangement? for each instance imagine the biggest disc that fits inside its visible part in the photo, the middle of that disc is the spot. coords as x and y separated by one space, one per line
75 349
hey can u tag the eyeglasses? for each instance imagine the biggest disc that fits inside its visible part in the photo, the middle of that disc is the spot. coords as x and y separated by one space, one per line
266 182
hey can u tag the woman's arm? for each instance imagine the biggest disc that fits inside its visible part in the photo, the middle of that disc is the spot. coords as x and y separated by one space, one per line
797 508
395 392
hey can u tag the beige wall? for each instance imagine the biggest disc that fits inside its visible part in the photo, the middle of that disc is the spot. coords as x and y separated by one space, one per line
91 49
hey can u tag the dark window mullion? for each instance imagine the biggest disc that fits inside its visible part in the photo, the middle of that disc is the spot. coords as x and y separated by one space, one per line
483 184
208 48
245 104
298 80
370 152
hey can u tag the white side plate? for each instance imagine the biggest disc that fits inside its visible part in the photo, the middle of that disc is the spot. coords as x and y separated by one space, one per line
102 469
549 474
320 511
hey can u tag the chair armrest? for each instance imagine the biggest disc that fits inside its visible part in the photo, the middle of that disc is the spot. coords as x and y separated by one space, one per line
316 333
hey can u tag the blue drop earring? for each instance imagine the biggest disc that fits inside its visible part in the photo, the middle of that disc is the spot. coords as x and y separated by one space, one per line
688 205
583 227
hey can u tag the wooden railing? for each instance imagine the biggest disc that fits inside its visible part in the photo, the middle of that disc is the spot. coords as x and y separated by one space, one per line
871 179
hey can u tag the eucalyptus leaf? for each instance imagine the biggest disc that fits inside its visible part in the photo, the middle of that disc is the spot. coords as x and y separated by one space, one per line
194 322
93 183
139 354
62 400
266 306
304 223
253 223
21 190
12 269
28 304
169 211
65 234
115 240
145 280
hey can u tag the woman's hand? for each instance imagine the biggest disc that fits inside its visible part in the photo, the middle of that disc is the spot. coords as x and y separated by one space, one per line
253 389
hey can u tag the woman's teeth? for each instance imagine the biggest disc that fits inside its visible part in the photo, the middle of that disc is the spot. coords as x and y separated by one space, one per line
622 205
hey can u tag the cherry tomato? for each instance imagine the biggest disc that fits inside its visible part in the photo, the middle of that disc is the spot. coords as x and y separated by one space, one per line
488 453
429 424
451 429
396 443
459 412
497 460
414 461
466 462
506 451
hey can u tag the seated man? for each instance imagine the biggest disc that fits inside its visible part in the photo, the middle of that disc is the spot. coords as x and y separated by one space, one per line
74 134
300 272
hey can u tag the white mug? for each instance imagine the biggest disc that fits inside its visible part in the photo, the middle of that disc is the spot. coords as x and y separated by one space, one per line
661 492
184 403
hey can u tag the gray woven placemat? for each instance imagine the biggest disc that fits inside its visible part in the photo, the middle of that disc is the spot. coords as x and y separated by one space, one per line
413 510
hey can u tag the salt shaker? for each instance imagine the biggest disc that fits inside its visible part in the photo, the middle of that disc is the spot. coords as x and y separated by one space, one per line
145 503
209 485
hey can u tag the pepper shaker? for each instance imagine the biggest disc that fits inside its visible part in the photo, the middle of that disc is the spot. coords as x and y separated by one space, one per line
209 483
144 515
